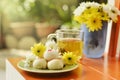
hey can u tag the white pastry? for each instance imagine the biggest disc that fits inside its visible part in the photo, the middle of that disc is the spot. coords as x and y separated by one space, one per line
40 63
50 54
55 64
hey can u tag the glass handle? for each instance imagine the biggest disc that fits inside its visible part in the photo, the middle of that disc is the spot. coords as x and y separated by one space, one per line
52 37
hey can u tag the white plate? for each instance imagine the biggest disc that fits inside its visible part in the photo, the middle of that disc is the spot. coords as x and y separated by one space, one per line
31 69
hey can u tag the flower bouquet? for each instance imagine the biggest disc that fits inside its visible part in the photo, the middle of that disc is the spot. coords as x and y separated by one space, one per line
93 14
93 18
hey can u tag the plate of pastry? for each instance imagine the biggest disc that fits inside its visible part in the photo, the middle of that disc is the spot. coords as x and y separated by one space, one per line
66 68
43 59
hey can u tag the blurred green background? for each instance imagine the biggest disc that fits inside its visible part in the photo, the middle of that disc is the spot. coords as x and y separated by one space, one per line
24 22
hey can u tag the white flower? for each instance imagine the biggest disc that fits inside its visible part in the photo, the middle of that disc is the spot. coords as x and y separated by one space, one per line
78 11
106 8
112 11
28 63
30 57
82 4
115 10
113 16
29 60
92 4
93 14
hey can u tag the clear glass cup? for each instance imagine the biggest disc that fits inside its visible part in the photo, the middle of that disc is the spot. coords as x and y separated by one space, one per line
69 40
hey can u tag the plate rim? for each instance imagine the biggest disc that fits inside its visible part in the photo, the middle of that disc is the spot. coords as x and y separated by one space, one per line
46 71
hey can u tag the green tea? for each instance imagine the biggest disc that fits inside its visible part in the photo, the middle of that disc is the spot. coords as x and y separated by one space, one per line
71 45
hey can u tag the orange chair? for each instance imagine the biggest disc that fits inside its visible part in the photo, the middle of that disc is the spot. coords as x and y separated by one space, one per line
114 34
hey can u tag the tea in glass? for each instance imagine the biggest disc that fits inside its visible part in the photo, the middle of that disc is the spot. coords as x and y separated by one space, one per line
70 45
69 40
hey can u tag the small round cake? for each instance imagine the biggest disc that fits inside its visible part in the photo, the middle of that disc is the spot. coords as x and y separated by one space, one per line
55 64
40 63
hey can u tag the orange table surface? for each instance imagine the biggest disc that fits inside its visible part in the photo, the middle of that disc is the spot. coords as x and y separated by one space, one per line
89 69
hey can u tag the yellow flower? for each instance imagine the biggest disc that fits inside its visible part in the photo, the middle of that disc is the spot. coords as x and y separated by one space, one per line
69 58
38 49
93 14
80 19
94 23
104 16
90 10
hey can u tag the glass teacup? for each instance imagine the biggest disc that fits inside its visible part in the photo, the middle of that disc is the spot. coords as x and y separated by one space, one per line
69 40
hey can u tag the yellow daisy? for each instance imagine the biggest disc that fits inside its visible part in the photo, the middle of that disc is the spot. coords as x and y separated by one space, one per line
94 23
104 16
38 49
79 19
91 10
69 58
